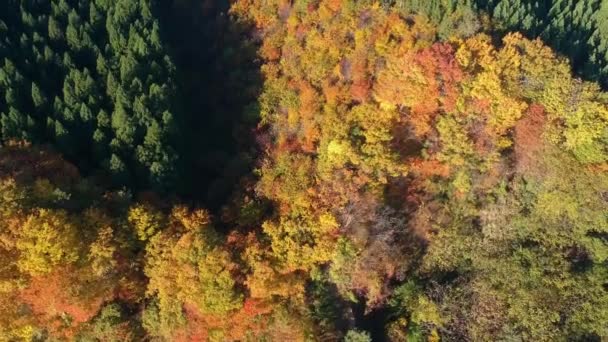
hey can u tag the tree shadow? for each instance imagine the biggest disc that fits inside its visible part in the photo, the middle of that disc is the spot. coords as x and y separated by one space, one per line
219 82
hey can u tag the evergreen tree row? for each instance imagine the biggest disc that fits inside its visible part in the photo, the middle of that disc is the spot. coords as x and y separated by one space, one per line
452 17
92 78
576 28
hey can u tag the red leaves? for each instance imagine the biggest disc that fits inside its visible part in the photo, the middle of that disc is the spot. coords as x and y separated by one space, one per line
52 296
249 319
450 76
427 82
361 86
441 81
246 322
429 168
360 90
333 5
528 136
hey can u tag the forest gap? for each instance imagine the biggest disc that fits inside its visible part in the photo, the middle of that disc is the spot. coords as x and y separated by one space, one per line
217 66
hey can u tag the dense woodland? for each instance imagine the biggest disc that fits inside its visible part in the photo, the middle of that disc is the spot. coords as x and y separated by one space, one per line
306 170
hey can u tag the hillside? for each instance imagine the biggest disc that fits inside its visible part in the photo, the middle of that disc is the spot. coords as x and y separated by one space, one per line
326 170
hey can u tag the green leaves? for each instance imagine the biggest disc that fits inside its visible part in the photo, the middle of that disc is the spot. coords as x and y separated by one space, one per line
84 74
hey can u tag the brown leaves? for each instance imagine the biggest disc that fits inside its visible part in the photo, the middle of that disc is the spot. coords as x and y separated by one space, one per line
25 164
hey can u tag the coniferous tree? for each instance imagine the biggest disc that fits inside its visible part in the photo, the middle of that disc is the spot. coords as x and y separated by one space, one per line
91 57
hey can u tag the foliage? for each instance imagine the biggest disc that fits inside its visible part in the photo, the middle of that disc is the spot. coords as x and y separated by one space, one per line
95 81
357 336
575 28
192 270
414 179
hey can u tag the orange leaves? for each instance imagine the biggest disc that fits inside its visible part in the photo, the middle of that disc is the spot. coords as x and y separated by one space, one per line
437 85
250 321
332 92
360 90
309 100
528 136
333 5
55 295
426 82
429 168
309 108
361 83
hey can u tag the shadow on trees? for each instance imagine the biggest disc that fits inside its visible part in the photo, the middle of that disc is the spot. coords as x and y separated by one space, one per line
219 84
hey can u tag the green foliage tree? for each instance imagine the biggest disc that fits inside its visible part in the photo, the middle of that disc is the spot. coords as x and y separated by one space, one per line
90 76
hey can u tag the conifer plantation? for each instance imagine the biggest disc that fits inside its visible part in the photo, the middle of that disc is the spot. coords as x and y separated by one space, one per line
304 170
92 78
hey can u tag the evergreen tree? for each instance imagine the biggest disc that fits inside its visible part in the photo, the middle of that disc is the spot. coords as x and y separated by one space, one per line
91 57
576 28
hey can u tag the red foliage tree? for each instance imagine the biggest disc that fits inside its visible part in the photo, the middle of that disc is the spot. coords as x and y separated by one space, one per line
53 296
528 136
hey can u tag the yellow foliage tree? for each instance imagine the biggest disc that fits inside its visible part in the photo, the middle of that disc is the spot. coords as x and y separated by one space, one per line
145 220
47 238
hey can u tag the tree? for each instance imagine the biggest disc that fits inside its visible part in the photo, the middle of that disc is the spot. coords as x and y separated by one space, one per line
189 270
45 240
357 336
77 34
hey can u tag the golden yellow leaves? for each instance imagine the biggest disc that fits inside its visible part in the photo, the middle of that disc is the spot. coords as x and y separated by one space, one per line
191 267
191 220
338 153
145 220
46 239
300 243
101 252
476 52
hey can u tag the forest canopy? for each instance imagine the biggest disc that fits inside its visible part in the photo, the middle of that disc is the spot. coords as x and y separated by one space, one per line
371 171
94 79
